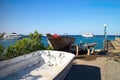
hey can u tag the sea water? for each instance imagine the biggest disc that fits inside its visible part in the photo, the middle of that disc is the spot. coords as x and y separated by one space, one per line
99 39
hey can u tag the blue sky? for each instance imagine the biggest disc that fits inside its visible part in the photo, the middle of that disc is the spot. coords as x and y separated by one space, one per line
60 16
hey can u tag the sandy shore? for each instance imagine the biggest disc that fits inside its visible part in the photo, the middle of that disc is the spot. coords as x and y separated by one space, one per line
95 67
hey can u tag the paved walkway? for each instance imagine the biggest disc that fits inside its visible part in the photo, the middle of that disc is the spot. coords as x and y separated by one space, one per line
95 68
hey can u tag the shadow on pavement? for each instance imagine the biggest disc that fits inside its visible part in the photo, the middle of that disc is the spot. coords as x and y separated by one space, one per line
84 72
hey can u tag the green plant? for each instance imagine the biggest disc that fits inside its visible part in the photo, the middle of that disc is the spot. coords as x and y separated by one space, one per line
49 47
35 36
1 49
10 53
19 48
25 46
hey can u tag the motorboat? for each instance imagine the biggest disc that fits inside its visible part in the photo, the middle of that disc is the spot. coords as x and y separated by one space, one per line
88 35
39 65
11 36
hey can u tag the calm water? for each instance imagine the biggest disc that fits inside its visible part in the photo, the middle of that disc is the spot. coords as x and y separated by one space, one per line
97 39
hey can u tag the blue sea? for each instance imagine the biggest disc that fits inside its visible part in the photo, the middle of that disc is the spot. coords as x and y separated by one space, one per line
99 39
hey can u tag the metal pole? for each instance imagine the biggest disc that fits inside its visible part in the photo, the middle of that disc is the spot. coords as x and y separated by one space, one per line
105 38
105 34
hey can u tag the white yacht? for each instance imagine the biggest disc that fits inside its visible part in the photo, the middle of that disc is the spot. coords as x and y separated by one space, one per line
88 35
12 36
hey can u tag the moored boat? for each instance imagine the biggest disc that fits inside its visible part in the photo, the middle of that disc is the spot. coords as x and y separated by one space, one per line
60 42
11 36
40 65
88 35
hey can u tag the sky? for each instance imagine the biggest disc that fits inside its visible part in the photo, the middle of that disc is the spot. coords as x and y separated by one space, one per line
60 16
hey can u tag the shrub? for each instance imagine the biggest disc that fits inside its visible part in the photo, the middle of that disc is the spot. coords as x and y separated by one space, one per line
1 49
1 52
25 46
35 36
19 48
49 47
